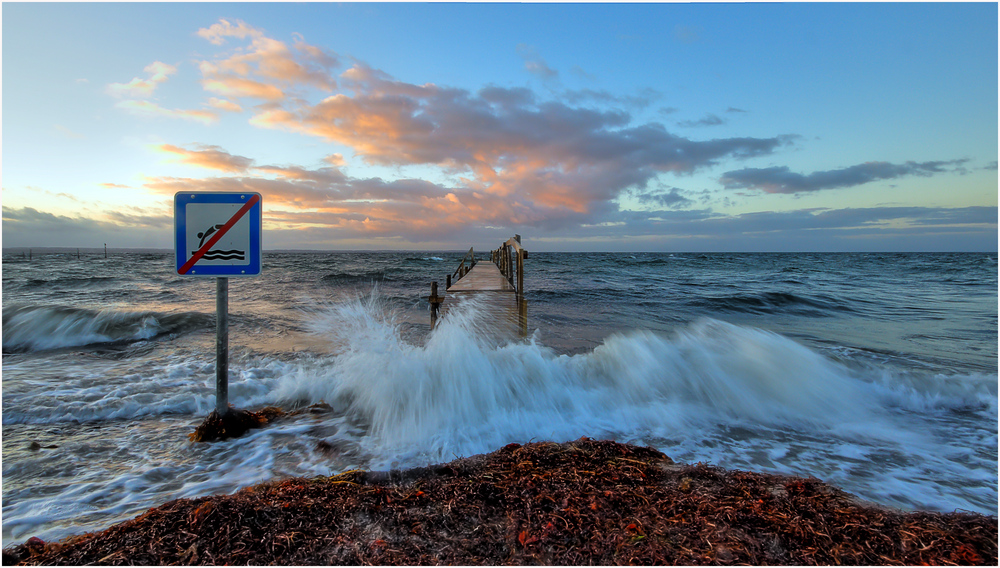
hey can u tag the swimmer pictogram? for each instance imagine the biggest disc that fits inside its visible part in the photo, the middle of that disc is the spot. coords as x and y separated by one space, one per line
217 254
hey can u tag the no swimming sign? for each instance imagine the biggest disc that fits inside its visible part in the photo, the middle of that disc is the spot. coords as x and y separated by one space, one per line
217 234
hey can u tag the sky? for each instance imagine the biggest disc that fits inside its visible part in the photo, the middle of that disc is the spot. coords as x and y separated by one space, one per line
581 127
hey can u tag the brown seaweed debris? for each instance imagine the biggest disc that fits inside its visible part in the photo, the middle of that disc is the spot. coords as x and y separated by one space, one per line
233 424
585 502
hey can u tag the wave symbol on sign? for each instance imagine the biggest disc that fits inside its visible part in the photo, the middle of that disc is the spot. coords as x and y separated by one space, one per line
223 255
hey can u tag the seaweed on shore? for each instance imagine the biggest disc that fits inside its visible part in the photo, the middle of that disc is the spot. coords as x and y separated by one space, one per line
584 502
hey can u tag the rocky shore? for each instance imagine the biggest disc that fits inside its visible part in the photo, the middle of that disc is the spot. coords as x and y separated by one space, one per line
584 502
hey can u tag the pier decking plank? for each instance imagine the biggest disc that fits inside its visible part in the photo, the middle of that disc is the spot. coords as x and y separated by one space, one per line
484 276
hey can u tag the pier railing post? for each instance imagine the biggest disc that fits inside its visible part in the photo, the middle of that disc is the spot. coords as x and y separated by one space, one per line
520 274
510 265
222 346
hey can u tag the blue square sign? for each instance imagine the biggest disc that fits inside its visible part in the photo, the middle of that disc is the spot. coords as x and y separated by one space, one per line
217 234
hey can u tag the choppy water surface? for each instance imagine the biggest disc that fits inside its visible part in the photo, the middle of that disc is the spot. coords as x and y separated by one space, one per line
874 372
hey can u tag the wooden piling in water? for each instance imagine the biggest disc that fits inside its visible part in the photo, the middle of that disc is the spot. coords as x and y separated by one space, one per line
435 302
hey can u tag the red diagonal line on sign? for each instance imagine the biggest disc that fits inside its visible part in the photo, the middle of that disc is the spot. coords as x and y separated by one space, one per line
218 234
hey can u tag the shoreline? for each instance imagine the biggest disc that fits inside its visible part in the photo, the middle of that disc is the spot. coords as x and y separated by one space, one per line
581 502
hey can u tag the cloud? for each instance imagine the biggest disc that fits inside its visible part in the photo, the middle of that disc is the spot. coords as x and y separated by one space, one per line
29 227
230 86
687 34
153 110
411 208
267 67
546 166
553 164
534 63
642 100
709 120
218 32
507 98
209 157
224 105
62 195
514 158
38 222
582 73
780 179
135 217
811 230
663 198
550 158
868 219
158 73
31 215
68 133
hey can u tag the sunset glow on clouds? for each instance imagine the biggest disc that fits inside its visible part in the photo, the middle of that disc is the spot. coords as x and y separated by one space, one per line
158 73
383 162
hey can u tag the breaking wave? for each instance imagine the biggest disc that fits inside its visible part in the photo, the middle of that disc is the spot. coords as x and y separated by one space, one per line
36 328
463 392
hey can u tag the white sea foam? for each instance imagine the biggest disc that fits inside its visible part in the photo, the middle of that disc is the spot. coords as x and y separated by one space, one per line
180 386
461 393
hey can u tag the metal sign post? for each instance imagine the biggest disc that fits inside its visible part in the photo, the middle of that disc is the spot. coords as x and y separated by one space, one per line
218 235
221 345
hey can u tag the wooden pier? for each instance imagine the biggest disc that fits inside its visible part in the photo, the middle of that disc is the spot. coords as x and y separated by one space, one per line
498 285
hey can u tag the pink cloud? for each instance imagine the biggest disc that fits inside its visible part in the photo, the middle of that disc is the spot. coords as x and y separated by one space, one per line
209 157
327 197
158 73
266 67
218 32
150 109
232 86
513 159
548 156
224 105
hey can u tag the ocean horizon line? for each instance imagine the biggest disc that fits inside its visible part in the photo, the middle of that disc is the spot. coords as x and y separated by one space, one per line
100 250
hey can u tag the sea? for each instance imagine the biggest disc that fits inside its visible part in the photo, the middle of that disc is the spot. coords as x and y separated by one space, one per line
875 373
